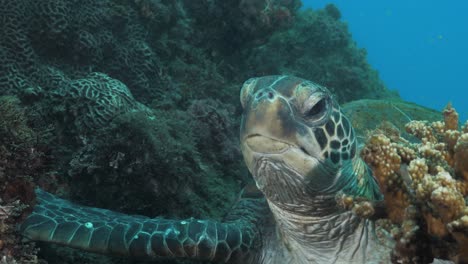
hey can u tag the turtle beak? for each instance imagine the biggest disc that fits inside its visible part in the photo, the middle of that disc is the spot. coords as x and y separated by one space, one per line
268 129
268 125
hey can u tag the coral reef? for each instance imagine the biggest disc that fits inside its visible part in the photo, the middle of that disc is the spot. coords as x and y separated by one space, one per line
425 188
318 47
90 75
150 166
21 161
215 130
174 48
96 100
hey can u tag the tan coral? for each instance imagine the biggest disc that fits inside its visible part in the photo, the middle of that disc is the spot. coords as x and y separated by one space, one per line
450 117
364 209
431 177
421 130
461 156
436 154
406 153
382 155
440 195
438 127
451 138
465 127
417 170
445 199
462 187
345 201
459 229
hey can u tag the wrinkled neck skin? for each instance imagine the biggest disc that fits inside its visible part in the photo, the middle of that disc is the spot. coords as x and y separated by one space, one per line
312 227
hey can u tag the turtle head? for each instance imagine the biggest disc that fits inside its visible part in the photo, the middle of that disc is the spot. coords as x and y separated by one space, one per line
295 140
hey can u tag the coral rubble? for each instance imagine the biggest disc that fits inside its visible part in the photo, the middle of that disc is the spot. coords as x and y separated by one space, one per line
425 188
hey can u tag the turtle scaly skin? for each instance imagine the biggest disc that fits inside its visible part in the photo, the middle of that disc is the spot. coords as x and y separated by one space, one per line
102 231
301 151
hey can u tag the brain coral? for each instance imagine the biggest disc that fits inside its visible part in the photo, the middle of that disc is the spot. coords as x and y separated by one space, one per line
97 99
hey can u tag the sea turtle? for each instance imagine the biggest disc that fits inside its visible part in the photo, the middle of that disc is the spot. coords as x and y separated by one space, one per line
301 150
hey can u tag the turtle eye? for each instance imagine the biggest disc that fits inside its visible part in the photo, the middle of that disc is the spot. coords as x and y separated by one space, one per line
316 109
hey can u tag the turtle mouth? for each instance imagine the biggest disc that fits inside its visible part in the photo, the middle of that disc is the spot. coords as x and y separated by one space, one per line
267 145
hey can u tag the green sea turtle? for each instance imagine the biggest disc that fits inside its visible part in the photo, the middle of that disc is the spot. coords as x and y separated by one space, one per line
301 150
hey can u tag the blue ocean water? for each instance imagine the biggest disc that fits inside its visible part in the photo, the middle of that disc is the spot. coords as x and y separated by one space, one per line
419 47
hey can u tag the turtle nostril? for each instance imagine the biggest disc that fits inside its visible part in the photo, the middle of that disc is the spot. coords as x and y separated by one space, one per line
267 94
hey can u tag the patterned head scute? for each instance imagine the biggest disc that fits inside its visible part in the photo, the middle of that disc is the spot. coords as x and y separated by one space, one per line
291 124
336 138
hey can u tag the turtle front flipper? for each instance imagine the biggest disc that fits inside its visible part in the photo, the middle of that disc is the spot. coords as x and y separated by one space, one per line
102 231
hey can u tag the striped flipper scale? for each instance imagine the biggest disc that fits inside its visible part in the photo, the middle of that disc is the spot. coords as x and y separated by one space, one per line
102 231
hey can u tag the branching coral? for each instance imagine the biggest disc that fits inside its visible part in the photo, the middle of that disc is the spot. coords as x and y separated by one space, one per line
425 186
383 156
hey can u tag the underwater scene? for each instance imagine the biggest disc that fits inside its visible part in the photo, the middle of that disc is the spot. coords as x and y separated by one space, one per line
231 131
417 46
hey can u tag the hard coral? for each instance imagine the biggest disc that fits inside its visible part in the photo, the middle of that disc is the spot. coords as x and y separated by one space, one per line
431 176
98 99
318 47
460 156
20 162
73 36
151 166
215 128
383 156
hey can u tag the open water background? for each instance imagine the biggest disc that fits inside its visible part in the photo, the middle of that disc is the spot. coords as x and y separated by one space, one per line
420 48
